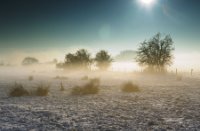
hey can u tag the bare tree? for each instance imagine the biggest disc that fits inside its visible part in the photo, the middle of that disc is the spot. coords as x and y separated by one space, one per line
156 53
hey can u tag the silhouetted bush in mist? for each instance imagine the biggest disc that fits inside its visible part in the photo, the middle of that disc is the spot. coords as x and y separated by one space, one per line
30 61
103 60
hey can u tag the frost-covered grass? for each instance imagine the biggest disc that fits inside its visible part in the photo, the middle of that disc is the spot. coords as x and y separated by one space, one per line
163 103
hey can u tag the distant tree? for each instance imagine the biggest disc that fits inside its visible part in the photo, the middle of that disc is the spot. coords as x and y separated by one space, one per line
81 59
103 60
156 53
29 61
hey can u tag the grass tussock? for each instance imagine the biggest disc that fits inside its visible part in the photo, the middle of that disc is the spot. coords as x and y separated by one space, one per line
129 87
42 90
92 87
18 90
30 78
61 77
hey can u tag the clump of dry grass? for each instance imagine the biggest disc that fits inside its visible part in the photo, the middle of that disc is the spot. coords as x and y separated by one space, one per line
42 90
130 87
18 90
92 87
30 78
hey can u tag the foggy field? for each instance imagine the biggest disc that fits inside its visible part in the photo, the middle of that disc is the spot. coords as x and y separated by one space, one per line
163 102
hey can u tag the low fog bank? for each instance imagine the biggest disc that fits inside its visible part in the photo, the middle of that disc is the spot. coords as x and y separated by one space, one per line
50 70
12 64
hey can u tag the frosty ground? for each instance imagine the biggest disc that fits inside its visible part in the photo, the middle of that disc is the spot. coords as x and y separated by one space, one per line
164 103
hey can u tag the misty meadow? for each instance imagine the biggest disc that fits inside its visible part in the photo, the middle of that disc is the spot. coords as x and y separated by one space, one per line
99 65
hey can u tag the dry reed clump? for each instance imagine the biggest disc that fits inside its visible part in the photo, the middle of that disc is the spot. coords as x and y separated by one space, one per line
30 78
41 90
130 87
92 87
18 90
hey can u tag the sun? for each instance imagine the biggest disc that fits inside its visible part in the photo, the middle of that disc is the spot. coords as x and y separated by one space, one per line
147 2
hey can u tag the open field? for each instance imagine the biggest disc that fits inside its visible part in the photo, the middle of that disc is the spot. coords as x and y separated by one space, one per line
163 102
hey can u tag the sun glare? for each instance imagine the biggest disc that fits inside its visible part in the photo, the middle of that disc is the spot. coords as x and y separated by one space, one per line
147 2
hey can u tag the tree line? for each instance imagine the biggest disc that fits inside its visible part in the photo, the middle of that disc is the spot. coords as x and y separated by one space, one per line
153 55
82 60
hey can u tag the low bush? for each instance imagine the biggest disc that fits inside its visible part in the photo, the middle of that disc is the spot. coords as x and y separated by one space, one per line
18 90
92 87
42 90
30 78
130 87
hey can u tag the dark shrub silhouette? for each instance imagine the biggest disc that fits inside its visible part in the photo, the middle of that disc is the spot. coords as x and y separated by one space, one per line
92 87
29 61
156 53
79 60
103 60
18 90
129 87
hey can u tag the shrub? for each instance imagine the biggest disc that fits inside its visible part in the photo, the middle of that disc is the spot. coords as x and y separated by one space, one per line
30 61
42 90
92 87
18 90
30 78
103 60
130 87
95 81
